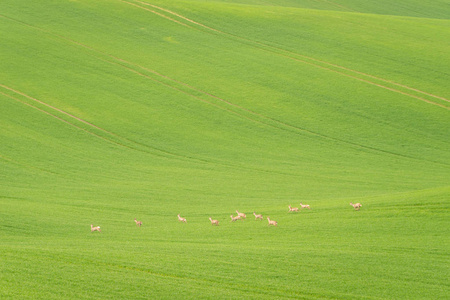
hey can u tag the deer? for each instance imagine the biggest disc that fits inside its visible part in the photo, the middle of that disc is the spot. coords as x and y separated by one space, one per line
292 208
181 219
242 215
97 228
357 206
272 222
233 219
138 223
214 222
304 206
258 216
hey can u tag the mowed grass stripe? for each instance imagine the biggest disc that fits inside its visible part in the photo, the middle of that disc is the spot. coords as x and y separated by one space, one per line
117 62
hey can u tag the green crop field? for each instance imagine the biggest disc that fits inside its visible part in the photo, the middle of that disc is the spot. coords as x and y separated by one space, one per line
116 110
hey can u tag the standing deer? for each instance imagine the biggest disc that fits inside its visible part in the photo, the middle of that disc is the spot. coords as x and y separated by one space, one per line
138 223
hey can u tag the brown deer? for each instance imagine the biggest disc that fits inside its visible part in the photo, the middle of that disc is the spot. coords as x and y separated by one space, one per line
272 222
97 228
214 222
233 219
304 206
242 215
181 219
258 216
292 208
357 206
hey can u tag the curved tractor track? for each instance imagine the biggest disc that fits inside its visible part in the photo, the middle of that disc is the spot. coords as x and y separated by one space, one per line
210 98
341 70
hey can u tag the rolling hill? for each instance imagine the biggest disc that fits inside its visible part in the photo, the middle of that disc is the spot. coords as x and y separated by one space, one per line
113 110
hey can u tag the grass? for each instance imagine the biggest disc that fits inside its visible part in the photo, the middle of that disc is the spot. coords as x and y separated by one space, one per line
112 112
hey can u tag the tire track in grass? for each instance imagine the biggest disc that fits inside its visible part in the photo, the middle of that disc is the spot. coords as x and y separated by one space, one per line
184 158
293 53
275 123
109 140
168 153
52 107
120 62
172 13
370 82
315 65
272 122
157 13
54 116
309 60
283 124
136 72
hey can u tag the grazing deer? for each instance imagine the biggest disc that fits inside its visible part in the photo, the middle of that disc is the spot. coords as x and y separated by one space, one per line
233 219
138 223
304 206
292 208
357 206
258 216
242 215
214 222
97 228
271 222
181 219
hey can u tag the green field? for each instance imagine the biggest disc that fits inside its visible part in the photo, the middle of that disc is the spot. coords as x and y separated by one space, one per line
113 110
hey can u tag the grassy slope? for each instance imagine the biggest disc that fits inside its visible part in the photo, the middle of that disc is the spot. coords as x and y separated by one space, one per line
413 8
298 129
